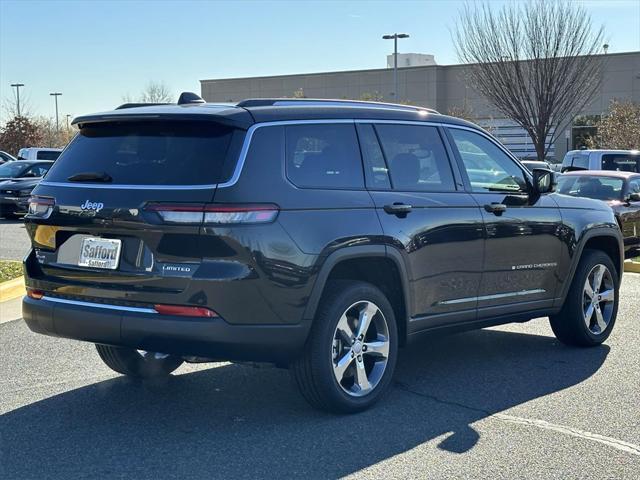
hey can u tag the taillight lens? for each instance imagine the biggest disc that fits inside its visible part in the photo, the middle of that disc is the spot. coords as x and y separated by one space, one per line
219 214
35 294
184 311
40 207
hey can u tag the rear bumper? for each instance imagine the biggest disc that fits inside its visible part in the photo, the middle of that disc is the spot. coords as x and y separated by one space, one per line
145 330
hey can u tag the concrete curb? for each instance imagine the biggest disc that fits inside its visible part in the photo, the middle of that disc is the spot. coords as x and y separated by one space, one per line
630 266
12 289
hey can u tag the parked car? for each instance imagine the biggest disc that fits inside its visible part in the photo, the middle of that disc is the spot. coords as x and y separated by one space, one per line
533 164
6 157
17 180
616 160
620 190
319 235
33 153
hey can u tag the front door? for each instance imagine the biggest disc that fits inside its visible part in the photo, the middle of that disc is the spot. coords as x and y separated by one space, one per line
426 216
523 247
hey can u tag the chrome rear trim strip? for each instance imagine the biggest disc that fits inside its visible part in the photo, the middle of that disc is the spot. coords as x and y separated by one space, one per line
495 296
105 306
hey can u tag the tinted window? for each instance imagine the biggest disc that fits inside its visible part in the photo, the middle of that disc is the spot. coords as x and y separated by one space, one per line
634 186
620 162
375 168
12 169
37 170
323 156
600 188
152 153
47 155
416 157
487 166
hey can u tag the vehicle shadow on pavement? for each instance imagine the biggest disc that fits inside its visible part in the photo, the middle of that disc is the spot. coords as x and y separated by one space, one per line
238 421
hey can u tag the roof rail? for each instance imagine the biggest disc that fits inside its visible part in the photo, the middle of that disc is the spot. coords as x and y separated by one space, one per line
323 102
134 105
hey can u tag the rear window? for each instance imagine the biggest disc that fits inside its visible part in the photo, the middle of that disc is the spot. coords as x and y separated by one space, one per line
150 153
47 155
620 162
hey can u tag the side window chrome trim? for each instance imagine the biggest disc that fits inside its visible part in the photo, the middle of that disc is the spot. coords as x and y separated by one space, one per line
247 144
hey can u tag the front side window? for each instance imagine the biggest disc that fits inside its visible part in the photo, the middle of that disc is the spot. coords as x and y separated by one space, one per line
489 169
416 157
323 156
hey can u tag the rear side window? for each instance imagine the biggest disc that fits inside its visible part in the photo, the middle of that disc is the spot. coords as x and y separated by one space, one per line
323 156
416 157
47 155
149 153
620 162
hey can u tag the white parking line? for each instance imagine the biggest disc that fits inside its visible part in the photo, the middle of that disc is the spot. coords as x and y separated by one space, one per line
574 432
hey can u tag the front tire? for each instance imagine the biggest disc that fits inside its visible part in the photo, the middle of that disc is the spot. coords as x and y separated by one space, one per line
137 363
350 355
589 312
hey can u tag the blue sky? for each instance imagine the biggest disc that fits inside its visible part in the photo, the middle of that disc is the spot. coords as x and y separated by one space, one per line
95 52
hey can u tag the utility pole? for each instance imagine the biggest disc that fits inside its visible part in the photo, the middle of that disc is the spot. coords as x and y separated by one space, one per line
56 95
395 38
17 87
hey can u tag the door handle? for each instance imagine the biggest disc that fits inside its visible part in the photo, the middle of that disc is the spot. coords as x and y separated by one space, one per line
399 209
496 208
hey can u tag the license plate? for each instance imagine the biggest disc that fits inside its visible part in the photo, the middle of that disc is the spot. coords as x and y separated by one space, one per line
100 253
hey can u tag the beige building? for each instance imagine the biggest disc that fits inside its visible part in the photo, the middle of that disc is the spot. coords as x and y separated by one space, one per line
442 87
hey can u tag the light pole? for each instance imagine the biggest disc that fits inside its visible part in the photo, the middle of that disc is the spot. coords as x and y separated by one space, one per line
17 86
56 95
395 38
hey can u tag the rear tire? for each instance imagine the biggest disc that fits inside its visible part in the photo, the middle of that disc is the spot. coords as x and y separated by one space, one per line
133 363
350 355
589 311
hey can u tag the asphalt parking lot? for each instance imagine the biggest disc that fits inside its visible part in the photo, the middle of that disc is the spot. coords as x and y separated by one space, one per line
14 240
508 402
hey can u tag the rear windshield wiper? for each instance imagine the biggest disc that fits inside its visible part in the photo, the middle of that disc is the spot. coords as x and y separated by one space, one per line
91 177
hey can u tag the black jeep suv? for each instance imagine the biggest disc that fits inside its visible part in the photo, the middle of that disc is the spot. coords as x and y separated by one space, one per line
318 235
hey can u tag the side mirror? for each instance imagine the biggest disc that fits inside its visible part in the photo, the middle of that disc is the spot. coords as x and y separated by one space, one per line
544 180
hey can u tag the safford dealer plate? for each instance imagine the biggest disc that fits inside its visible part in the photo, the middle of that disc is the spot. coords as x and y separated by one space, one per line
100 253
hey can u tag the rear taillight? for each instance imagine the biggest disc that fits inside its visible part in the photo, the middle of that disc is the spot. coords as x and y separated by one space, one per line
184 311
40 207
35 294
217 214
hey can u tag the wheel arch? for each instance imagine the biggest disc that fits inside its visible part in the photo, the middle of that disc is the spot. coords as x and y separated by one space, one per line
375 264
604 239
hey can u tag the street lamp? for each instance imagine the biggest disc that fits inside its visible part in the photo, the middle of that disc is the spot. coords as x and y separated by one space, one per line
56 95
17 86
395 38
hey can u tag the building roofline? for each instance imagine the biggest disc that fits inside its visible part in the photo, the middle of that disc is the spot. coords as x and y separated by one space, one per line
368 70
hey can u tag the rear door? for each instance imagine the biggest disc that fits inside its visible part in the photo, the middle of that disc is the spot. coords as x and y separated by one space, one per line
523 245
126 206
427 217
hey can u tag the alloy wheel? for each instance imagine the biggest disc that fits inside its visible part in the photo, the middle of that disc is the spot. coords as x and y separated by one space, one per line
598 299
360 350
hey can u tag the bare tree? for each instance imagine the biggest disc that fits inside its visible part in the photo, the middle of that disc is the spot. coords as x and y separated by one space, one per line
537 62
156 92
